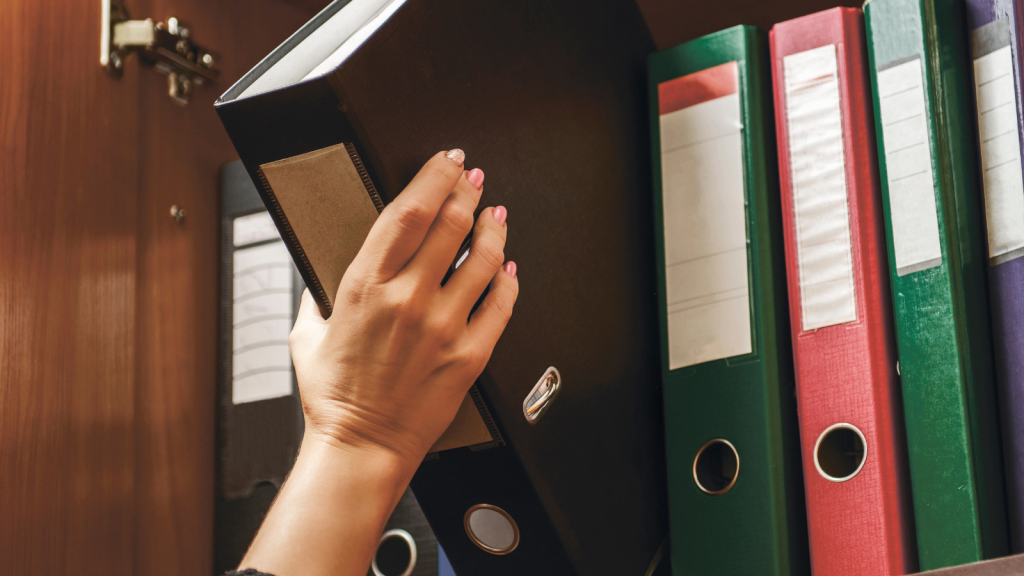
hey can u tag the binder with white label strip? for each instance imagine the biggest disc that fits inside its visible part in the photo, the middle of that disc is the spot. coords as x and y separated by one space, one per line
921 85
730 411
851 434
259 415
995 29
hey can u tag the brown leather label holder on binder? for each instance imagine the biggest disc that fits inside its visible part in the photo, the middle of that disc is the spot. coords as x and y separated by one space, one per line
326 205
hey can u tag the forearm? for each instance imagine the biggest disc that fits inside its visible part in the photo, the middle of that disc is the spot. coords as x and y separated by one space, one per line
330 512
382 377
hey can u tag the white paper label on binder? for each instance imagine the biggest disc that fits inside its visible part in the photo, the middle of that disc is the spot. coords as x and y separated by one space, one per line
261 365
908 165
999 135
254 228
706 257
820 199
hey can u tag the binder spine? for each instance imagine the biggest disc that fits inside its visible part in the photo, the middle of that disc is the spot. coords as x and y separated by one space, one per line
999 24
256 441
740 403
940 308
1008 332
858 507
449 486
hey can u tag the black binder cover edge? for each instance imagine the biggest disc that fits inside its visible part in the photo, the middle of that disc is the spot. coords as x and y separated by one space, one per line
274 57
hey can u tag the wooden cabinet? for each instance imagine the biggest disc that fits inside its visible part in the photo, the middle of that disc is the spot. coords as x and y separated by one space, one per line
108 306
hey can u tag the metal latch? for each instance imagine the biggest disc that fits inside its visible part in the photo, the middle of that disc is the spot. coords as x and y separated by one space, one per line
168 47
543 392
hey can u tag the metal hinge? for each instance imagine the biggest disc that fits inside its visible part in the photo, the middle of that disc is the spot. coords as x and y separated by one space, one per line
168 47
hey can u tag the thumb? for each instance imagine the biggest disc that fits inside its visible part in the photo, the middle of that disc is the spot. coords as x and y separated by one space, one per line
310 326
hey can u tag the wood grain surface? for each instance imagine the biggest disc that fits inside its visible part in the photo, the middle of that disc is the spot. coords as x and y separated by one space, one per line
68 184
182 150
107 306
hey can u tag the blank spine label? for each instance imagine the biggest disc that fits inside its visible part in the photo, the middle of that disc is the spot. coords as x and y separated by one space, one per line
706 260
999 135
908 166
261 363
820 203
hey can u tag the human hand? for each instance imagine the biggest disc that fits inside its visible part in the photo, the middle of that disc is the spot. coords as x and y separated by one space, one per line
391 365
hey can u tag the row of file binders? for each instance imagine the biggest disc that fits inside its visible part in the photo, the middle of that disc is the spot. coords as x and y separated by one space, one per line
820 196
839 209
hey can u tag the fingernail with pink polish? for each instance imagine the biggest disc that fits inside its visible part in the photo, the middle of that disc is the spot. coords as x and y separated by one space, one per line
456 155
476 177
510 268
500 214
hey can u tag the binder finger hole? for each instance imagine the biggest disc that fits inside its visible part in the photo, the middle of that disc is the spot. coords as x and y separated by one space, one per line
395 555
716 467
840 452
491 529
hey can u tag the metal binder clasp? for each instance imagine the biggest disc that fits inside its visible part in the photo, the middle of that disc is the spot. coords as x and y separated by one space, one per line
166 47
542 394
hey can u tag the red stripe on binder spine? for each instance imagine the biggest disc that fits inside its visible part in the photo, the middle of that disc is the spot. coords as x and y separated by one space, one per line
698 87
846 370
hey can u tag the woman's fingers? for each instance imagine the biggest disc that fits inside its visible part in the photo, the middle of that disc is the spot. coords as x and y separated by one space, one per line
399 231
489 320
486 255
454 221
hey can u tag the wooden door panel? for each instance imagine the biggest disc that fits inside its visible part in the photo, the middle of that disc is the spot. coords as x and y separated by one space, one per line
182 150
107 306
68 183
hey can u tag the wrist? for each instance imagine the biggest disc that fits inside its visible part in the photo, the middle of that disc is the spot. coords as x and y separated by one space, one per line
330 510
322 452
353 432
